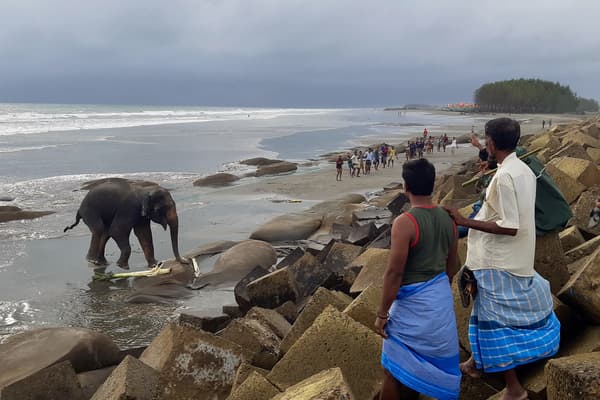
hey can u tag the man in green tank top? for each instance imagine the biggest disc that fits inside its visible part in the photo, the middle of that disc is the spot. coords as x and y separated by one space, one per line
416 315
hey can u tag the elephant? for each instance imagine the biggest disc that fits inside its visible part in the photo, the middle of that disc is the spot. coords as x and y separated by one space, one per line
112 208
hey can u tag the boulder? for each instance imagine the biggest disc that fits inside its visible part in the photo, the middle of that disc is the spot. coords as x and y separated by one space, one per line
236 262
206 320
289 311
291 258
90 381
328 384
582 208
584 171
583 250
581 139
570 187
12 213
258 161
193 363
545 141
334 340
363 309
6 198
132 379
594 154
243 371
273 289
241 288
216 180
271 319
56 382
29 352
288 227
362 234
276 168
254 387
256 339
570 238
581 291
550 260
313 308
233 310
593 129
340 255
374 262
211 248
574 377
309 274
573 150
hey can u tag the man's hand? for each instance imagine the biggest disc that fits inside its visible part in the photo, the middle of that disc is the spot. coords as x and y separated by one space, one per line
456 216
380 324
475 141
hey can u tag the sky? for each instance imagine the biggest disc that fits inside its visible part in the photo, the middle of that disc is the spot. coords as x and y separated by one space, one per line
290 53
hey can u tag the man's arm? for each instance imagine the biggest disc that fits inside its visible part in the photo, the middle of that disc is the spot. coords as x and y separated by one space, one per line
484 226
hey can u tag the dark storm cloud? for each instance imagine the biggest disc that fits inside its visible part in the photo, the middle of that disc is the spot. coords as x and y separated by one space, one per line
319 53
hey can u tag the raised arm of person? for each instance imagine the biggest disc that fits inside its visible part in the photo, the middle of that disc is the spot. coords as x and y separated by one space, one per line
403 233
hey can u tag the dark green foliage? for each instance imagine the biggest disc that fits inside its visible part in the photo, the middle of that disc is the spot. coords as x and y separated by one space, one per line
530 96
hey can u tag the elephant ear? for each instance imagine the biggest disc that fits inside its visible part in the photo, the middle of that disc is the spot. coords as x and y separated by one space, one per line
145 204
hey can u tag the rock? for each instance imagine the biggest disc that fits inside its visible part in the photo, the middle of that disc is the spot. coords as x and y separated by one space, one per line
258 161
291 258
550 260
371 213
374 262
243 371
193 363
216 180
236 262
545 141
289 311
582 208
233 310
398 204
582 139
583 250
211 248
288 227
132 379
309 274
363 309
313 308
329 384
271 319
334 340
6 198
29 352
594 154
581 291
56 382
11 213
241 288
255 387
205 320
584 171
592 130
458 198
276 168
383 240
570 238
474 389
568 186
339 256
90 381
256 339
362 235
574 377
340 231
273 289
573 150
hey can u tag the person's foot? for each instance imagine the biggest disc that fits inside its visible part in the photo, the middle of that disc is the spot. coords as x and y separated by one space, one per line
468 368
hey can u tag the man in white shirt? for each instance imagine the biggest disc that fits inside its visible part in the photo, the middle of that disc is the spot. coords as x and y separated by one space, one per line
512 322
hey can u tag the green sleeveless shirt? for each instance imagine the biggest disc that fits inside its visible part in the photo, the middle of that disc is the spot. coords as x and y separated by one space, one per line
428 253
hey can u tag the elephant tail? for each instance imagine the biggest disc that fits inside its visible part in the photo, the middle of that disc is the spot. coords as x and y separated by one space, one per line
77 219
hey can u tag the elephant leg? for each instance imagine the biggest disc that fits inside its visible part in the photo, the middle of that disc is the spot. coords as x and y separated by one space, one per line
98 230
122 240
144 235
101 249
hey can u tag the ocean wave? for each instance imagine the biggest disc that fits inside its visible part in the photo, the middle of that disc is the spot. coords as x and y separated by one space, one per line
29 148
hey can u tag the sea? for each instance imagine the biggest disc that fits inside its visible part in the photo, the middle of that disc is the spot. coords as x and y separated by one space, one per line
47 151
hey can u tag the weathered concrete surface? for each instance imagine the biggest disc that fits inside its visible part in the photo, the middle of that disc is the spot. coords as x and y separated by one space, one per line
243 371
363 309
216 180
582 290
273 289
570 187
550 260
341 255
574 150
570 238
90 381
28 352
334 340
583 250
193 363
581 139
57 382
254 387
256 339
271 319
584 171
313 308
289 311
574 377
326 385
374 262
594 154
204 319
131 380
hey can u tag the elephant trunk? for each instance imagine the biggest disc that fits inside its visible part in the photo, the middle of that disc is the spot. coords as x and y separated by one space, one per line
173 222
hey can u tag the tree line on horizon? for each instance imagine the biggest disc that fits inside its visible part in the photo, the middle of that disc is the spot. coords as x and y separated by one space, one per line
531 96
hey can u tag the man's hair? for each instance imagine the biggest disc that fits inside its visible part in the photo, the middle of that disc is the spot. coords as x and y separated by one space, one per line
505 133
419 177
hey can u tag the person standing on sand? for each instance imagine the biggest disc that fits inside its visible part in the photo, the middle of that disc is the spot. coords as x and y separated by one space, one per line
369 161
376 158
549 124
439 143
361 164
338 166
416 314
453 146
512 322
543 123
384 155
425 133
353 163
391 156
444 142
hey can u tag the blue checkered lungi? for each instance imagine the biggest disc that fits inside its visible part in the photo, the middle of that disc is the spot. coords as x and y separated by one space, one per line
512 322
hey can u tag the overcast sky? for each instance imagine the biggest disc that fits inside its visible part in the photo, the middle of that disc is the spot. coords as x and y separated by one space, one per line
290 52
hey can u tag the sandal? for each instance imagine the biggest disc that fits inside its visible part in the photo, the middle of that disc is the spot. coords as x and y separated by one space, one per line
467 285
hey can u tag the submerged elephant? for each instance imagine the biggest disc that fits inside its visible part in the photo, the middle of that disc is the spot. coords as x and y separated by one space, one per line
113 208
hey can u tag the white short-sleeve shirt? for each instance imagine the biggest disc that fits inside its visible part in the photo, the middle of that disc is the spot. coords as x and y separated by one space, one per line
510 203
